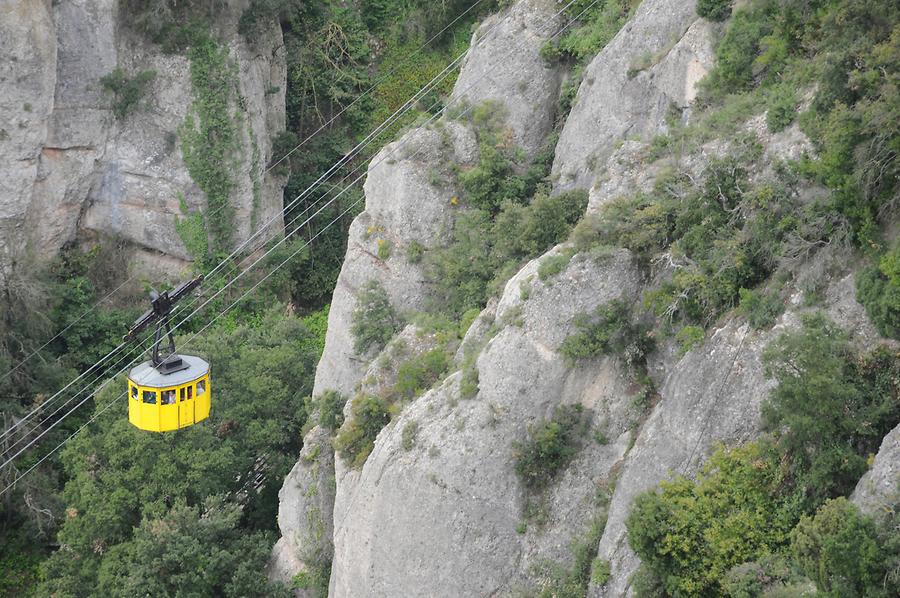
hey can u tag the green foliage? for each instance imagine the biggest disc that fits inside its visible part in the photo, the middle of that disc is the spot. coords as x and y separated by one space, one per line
765 577
689 337
120 478
356 438
597 24
201 550
408 436
607 331
714 10
572 582
209 139
414 252
850 52
600 571
315 579
374 321
19 560
418 374
831 407
384 249
552 265
782 108
840 550
691 534
550 446
127 91
173 25
484 249
192 232
878 289
760 308
326 409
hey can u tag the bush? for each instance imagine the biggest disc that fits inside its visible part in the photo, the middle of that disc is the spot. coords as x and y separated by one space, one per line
831 407
487 250
419 373
127 91
840 550
782 109
552 265
714 10
608 331
760 308
328 409
408 436
878 290
549 447
356 438
374 321
691 534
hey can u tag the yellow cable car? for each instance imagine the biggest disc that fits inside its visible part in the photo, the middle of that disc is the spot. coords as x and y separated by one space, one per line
169 391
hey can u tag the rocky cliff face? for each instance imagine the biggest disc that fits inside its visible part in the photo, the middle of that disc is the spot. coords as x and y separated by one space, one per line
70 170
444 515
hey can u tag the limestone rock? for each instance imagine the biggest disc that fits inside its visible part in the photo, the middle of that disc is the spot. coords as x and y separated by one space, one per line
629 89
504 65
74 171
305 503
402 206
401 524
879 489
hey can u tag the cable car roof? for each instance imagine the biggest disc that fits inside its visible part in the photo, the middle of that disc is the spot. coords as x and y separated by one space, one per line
146 375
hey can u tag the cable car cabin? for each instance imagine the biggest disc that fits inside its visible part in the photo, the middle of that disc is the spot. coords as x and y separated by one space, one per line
170 391
165 402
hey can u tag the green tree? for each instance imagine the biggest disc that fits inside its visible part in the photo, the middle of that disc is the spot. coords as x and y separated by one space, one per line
831 408
690 534
840 550
199 551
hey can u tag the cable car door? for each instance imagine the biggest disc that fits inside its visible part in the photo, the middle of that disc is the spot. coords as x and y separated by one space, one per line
186 406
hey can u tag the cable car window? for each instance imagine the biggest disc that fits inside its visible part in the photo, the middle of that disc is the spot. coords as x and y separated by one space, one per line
182 394
190 391
168 397
201 388
150 397
134 393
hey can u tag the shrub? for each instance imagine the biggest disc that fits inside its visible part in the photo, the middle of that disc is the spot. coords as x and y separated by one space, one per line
690 534
328 409
714 10
831 407
735 55
878 290
127 91
760 308
408 436
374 321
420 373
689 337
600 571
552 265
608 331
356 438
840 550
782 108
414 252
549 447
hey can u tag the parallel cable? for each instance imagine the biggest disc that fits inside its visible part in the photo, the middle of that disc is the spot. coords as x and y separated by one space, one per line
346 188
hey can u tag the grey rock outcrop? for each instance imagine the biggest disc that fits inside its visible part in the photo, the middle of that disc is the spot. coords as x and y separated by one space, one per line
75 171
505 66
305 502
712 395
397 524
878 491
629 89
402 207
